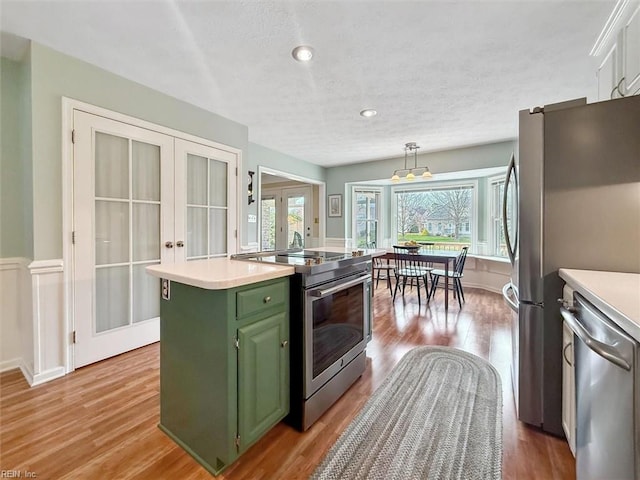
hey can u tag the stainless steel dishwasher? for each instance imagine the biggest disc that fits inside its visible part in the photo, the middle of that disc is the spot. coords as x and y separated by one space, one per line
607 416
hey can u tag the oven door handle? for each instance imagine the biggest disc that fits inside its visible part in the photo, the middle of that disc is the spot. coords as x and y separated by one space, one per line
329 291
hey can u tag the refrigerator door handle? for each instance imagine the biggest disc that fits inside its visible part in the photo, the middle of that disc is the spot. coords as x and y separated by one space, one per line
511 247
513 305
607 352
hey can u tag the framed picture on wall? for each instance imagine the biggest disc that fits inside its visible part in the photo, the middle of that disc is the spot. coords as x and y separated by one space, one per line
335 205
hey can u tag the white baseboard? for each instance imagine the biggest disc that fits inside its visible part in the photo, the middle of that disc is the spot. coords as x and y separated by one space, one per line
10 364
46 376
27 372
39 378
482 287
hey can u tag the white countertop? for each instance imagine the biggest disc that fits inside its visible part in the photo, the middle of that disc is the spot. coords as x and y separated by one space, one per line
222 273
616 294
219 273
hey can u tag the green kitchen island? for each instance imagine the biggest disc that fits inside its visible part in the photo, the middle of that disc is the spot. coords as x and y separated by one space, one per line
224 355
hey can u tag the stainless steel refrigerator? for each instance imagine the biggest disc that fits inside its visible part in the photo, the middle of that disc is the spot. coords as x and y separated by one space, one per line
572 200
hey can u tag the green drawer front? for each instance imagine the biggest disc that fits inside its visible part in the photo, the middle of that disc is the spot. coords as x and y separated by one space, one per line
257 299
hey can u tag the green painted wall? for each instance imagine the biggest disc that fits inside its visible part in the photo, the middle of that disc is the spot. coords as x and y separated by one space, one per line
266 157
55 75
340 178
16 224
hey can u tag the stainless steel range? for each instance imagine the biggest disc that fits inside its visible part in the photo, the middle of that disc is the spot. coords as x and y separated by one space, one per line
330 324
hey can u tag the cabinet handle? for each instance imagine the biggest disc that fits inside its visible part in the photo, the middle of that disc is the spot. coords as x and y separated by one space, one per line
564 354
168 244
266 299
180 243
284 343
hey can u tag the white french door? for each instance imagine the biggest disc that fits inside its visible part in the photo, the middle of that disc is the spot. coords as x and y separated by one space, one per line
205 211
123 212
140 197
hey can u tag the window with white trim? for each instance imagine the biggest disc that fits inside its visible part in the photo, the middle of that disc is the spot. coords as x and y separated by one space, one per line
498 245
443 214
366 217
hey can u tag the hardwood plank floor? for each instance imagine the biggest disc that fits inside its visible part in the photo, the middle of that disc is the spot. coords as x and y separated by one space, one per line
101 421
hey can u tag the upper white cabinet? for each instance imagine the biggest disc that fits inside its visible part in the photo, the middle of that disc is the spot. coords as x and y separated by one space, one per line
631 64
617 52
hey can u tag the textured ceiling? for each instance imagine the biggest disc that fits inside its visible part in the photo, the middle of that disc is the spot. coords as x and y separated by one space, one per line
442 74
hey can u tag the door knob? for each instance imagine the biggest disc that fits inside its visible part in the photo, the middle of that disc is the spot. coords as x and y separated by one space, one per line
180 243
168 244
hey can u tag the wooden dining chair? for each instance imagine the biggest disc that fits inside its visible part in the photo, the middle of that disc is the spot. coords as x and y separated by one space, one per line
456 275
388 267
409 269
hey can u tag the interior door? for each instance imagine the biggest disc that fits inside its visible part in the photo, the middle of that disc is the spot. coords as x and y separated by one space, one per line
286 218
297 217
205 214
123 210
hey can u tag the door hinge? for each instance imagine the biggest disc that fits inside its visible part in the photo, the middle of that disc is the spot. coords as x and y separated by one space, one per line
236 171
236 342
73 238
235 234
73 337
237 441
73 136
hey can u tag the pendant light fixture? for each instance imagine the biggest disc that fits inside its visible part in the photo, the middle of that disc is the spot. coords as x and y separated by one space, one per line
410 172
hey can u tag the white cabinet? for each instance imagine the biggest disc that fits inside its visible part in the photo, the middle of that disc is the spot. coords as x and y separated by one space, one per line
617 53
608 74
631 64
568 388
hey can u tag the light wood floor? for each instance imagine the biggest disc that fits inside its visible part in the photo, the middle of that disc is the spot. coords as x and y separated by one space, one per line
100 421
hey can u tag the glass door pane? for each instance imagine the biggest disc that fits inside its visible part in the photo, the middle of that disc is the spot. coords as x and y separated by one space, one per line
112 298
295 221
207 207
127 230
268 227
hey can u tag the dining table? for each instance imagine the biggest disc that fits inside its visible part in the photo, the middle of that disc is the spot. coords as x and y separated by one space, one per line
426 253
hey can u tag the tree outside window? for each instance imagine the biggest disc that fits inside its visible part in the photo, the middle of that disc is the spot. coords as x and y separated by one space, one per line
441 215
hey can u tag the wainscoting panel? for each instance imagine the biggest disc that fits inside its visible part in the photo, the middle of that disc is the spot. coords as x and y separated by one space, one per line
50 336
485 273
250 247
335 242
15 305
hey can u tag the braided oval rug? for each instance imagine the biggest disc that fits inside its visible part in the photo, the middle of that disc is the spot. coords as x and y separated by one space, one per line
438 415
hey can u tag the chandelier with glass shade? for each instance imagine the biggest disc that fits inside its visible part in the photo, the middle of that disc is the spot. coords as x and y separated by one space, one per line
409 173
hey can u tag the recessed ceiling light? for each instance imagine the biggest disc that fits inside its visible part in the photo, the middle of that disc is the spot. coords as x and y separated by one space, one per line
302 53
369 112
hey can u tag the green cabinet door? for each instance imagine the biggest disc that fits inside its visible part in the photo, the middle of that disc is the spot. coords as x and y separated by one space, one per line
263 376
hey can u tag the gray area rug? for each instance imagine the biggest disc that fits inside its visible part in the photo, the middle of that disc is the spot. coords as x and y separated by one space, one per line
438 415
